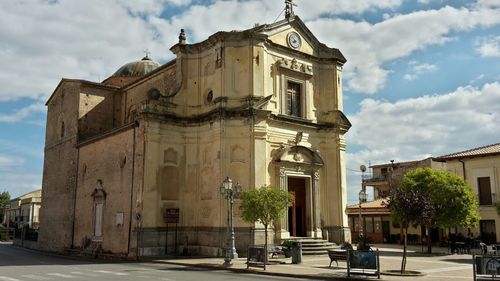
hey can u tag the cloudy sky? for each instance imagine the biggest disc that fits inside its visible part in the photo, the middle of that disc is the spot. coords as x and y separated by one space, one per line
422 77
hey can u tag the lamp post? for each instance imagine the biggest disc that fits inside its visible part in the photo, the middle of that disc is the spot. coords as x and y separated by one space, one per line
230 193
362 198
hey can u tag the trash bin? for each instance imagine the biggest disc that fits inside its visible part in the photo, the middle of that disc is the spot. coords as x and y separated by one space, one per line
296 252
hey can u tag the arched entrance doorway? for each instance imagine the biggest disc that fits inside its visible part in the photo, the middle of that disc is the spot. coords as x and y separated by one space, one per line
297 210
298 169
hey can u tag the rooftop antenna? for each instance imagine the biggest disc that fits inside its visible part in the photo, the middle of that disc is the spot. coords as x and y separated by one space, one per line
289 9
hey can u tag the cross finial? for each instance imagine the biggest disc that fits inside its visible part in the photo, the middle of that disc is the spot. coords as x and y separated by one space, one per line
289 9
147 52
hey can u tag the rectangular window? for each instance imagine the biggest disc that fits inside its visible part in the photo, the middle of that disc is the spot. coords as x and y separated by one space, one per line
488 231
484 188
293 99
369 224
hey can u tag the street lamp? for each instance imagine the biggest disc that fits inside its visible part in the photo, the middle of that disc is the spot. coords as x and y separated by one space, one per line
230 193
362 198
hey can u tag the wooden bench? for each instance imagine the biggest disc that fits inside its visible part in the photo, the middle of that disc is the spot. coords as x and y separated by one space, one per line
336 255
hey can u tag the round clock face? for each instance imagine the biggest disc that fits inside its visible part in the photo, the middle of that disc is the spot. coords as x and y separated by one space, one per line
294 40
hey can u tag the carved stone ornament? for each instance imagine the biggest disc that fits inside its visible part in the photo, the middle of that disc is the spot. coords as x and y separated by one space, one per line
282 172
298 157
296 66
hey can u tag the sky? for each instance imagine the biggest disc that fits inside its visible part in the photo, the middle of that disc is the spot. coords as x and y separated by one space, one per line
422 77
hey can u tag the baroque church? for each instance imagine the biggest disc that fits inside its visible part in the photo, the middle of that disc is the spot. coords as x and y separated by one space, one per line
262 106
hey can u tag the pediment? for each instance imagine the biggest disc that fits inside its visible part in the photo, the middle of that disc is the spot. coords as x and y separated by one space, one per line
299 155
279 32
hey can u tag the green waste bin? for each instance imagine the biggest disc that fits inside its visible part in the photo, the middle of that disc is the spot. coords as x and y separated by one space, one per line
296 252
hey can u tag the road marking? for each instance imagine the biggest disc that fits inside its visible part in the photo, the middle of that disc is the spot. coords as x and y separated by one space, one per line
84 274
35 277
111 272
61 275
8 278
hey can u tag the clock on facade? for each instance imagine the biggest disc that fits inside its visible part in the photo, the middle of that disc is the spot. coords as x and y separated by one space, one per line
294 40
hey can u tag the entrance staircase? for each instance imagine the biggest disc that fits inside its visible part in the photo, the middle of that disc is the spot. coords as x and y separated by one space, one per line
312 246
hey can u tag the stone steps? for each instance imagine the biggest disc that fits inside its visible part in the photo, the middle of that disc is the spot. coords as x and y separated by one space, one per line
311 246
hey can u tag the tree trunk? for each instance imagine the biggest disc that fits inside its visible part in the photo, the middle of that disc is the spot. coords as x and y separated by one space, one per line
429 240
405 243
265 246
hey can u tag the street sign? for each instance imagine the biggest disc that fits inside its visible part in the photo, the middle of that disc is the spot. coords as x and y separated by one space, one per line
171 215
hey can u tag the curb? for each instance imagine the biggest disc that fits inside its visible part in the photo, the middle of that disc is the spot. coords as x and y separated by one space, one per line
263 272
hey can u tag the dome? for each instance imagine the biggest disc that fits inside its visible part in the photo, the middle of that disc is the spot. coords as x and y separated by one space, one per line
137 68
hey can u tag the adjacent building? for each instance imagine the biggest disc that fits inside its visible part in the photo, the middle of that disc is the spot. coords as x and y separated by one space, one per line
24 210
262 106
479 167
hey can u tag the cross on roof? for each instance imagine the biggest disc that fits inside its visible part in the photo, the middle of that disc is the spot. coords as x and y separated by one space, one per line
289 8
147 52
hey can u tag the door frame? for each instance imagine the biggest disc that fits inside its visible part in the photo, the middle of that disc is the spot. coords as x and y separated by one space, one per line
312 184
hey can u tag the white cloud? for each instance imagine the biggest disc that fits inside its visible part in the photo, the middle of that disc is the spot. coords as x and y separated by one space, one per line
11 182
417 69
425 2
337 7
10 163
43 41
22 113
431 125
91 39
369 46
489 47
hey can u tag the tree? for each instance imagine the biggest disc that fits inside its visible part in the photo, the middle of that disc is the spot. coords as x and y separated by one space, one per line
449 199
265 205
4 202
407 207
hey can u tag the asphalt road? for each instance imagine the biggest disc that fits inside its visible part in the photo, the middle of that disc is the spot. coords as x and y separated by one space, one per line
18 264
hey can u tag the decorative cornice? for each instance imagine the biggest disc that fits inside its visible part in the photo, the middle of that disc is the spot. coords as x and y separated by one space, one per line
293 65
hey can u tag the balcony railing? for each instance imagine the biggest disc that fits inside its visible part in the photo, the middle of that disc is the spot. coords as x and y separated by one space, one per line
372 177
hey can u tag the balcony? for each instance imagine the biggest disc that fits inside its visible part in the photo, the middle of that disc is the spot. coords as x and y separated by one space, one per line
375 179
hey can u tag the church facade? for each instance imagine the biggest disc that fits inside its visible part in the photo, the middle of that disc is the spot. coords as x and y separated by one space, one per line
262 106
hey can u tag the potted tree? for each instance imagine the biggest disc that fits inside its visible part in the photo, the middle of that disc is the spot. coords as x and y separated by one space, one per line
286 246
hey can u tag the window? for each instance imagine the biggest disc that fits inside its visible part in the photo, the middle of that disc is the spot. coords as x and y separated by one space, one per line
369 224
293 99
488 231
62 130
484 188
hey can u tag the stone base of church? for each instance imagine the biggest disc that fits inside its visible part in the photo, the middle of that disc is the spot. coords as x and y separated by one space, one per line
195 241
336 234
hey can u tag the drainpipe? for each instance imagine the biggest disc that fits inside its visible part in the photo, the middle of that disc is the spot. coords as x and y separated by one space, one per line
463 168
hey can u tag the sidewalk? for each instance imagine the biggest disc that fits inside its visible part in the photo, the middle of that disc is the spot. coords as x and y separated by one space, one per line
437 266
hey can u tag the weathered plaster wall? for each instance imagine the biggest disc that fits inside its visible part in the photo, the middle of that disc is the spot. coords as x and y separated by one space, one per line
480 167
59 169
114 168
96 112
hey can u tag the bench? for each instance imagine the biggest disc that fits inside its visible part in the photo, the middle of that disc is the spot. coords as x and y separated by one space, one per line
336 255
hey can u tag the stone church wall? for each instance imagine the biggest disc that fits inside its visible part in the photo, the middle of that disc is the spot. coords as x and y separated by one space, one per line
56 213
106 164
